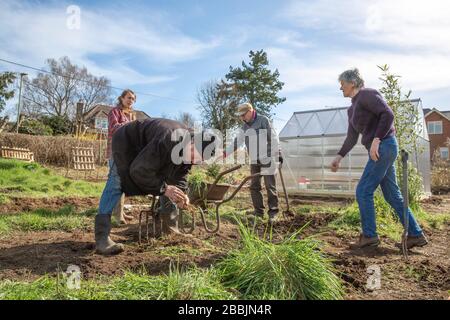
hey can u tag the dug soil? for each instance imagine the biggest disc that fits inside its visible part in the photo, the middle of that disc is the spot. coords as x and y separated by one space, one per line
426 275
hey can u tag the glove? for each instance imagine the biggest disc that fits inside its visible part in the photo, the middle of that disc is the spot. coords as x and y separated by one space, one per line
280 159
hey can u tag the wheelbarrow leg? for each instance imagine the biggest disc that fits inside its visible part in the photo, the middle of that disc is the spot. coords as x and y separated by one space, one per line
202 215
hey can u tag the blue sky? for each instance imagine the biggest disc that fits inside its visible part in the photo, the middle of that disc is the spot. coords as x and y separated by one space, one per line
171 48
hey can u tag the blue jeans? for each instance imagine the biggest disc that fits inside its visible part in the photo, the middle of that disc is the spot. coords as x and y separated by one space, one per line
382 173
112 192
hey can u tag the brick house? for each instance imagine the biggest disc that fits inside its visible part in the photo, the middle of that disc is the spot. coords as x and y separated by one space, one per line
97 118
438 125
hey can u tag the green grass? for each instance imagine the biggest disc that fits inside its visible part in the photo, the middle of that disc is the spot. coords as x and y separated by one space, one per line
293 269
433 220
349 221
22 179
64 219
388 224
193 284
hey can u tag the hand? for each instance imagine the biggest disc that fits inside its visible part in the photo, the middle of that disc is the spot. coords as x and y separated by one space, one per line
175 194
280 159
374 155
185 203
132 116
336 163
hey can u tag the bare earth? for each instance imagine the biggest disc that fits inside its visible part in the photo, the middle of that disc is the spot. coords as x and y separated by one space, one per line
27 256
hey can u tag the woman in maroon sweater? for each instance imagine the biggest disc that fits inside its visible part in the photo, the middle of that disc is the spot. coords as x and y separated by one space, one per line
370 116
121 114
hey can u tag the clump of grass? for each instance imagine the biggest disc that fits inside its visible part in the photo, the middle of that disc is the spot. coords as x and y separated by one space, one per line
195 284
64 219
22 179
197 182
349 220
432 220
388 223
213 170
293 269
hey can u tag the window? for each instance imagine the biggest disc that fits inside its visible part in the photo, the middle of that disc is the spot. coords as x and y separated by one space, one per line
435 127
101 123
444 153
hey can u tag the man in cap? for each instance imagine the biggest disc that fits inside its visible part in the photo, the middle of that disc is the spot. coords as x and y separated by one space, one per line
257 129
147 160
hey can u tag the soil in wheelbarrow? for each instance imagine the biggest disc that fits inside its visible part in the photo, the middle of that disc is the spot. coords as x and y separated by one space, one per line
29 255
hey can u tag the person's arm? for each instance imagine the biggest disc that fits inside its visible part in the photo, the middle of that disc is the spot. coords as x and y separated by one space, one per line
237 142
272 136
350 141
114 121
145 172
374 102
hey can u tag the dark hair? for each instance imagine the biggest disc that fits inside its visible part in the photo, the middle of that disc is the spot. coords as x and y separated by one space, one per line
123 95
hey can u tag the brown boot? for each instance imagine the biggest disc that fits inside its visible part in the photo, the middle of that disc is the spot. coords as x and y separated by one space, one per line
103 243
415 241
364 242
170 224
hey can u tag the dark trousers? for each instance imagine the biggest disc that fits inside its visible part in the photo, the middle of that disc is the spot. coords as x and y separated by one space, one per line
257 197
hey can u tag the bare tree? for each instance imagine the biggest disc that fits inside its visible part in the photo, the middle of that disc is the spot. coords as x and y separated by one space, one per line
186 118
217 102
6 93
57 92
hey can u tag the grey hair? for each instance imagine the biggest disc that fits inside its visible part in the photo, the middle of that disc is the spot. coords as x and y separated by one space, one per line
352 76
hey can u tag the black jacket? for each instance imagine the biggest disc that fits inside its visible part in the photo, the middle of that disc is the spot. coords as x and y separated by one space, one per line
142 153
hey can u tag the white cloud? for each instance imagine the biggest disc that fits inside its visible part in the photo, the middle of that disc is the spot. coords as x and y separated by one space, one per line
34 32
404 24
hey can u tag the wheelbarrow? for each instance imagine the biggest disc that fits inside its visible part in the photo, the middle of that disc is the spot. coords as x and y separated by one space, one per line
213 194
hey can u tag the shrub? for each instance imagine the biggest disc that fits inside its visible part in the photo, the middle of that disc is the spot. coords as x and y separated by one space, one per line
35 128
48 150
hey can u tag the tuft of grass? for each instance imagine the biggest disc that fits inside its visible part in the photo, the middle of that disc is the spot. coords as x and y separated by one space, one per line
22 179
349 221
293 269
197 182
193 284
433 220
388 223
64 219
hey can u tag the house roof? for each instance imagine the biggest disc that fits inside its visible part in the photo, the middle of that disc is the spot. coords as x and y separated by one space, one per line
445 114
103 111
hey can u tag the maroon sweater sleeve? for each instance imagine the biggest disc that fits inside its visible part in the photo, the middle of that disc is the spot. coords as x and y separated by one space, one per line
374 102
350 140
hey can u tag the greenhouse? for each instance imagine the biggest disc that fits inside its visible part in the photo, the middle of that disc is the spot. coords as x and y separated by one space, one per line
310 141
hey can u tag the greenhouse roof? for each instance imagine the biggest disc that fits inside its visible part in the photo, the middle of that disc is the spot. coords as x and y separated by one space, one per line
329 122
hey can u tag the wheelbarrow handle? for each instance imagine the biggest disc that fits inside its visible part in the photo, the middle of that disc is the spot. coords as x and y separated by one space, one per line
226 172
